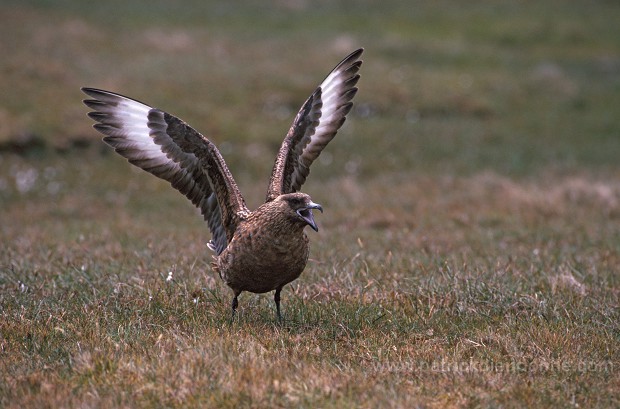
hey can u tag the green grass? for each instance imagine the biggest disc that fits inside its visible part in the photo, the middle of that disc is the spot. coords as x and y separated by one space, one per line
469 254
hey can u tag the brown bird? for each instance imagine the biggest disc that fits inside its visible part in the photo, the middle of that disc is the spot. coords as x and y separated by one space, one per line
256 251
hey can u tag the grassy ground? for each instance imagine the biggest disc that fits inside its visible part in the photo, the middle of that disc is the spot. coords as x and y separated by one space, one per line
469 254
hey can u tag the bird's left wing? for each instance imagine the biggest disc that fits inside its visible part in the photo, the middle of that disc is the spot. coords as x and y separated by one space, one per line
315 126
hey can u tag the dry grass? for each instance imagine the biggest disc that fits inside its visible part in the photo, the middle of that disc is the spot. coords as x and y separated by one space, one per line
464 291
468 255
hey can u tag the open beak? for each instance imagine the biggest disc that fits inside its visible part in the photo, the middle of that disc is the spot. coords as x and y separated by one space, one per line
306 214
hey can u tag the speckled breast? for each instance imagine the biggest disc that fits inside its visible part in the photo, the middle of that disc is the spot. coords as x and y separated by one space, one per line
261 261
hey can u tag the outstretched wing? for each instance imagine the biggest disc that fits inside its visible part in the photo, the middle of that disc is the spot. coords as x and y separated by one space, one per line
168 148
315 126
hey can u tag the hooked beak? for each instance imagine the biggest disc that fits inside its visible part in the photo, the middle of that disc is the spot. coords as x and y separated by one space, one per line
306 214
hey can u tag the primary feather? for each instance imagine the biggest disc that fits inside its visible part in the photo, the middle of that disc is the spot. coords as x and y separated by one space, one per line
315 126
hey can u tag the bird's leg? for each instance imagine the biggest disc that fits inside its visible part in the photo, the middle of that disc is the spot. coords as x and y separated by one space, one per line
235 303
276 298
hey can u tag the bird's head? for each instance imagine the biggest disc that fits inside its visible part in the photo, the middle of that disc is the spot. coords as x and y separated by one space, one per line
299 207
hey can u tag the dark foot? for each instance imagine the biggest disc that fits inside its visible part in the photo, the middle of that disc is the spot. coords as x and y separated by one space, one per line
276 298
235 303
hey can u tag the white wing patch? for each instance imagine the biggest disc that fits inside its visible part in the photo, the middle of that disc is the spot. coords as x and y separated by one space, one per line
139 133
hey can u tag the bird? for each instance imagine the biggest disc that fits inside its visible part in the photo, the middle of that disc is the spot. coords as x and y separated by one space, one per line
255 251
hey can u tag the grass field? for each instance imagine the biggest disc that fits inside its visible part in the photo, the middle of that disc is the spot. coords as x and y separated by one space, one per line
468 256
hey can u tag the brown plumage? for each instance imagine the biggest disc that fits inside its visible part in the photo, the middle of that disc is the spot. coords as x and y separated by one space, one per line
256 251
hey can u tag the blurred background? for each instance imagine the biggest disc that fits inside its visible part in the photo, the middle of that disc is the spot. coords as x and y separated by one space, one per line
494 91
517 87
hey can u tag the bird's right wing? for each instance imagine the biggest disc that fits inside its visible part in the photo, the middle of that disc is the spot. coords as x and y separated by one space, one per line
168 148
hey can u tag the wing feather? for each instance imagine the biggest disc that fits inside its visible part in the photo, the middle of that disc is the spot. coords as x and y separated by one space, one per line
316 124
168 148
